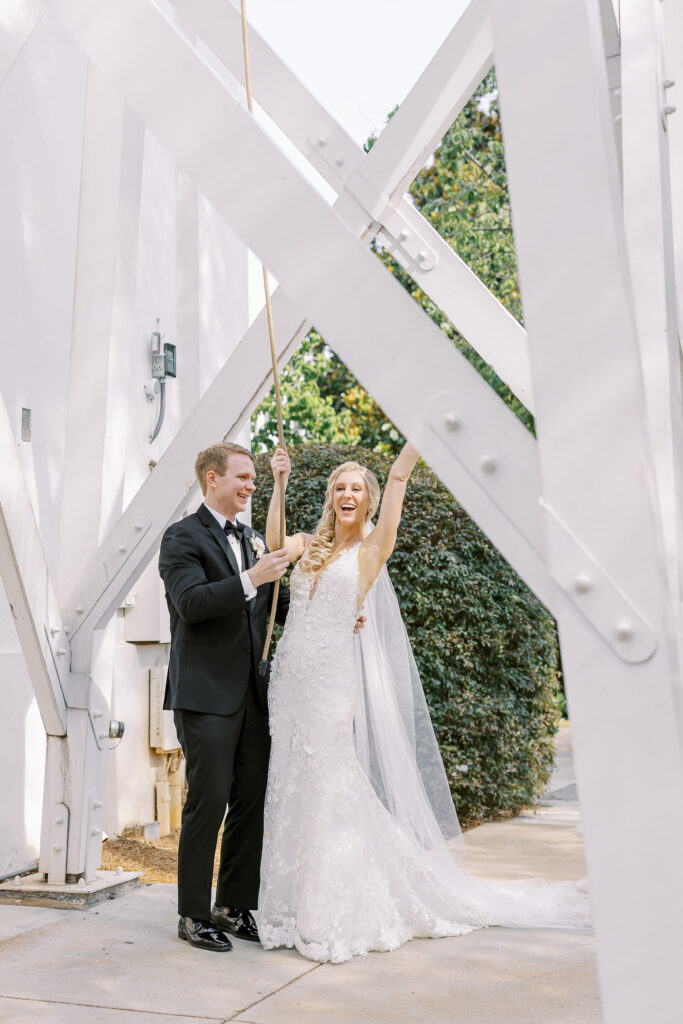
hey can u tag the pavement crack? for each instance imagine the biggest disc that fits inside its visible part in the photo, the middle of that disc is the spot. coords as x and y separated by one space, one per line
275 991
115 1009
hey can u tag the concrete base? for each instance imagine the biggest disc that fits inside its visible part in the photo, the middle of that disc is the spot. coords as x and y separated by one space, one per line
34 891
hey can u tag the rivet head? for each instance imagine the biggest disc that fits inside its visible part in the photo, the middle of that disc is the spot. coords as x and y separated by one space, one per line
488 464
624 631
452 420
321 141
79 610
339 162
668 83
139 526
122 549
59 821
403 236
669 109
583 583
95 831
60 651
421 256
56 848
54 630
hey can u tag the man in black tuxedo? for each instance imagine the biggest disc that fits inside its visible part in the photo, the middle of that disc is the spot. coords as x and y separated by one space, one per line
218 589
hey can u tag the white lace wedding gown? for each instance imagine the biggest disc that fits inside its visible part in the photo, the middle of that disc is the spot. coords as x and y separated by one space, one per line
340 876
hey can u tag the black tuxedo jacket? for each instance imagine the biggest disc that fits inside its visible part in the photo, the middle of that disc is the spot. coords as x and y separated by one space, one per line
217 636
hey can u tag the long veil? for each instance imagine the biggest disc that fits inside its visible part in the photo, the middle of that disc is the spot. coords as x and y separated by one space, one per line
394 736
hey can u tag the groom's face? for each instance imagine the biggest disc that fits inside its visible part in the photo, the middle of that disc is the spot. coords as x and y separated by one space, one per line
229 493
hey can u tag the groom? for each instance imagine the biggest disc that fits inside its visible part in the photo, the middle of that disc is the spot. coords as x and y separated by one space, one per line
218 577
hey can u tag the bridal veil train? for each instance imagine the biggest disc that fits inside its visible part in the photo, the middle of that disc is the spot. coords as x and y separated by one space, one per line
361 837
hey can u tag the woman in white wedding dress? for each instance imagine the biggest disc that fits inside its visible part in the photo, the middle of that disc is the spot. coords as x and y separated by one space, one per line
358 808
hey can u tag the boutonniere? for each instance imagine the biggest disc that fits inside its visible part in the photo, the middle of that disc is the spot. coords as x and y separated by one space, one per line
257 545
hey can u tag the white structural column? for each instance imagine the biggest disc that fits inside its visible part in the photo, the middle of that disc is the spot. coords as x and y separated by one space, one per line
370 186
104 296
596 466
648 220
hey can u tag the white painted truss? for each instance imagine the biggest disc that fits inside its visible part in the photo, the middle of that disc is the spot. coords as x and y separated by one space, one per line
589 512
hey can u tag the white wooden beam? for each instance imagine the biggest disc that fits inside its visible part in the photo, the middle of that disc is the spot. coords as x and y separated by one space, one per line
26 580
369 319
597 472
222 411
370 187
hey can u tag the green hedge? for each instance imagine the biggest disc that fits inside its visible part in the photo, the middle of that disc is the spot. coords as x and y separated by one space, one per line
485 646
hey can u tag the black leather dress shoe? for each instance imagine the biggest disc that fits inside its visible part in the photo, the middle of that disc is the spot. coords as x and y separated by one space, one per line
239 923
203 935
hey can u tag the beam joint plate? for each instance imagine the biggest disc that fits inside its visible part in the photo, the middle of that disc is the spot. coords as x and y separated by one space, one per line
595 594
405 243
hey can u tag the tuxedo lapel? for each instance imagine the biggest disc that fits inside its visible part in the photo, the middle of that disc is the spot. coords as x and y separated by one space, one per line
213 526
247 551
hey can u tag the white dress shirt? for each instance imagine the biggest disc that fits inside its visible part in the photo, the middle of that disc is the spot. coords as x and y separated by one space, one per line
247 586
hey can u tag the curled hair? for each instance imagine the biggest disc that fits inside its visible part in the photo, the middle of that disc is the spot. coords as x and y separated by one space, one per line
216 458
321 547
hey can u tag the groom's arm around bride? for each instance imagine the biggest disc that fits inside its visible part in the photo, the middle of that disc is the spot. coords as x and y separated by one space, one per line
218 577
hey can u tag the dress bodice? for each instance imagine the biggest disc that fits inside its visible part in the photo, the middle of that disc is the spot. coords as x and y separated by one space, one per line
328 602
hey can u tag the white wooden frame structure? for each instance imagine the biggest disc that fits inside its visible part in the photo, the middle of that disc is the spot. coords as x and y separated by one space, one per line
589 514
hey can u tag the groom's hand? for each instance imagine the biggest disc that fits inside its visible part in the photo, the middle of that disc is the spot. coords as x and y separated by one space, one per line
269 567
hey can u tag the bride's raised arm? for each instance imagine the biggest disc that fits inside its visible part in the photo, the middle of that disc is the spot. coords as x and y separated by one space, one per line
296 544
379 544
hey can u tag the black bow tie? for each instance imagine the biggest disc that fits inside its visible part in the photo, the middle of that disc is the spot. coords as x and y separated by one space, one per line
236 528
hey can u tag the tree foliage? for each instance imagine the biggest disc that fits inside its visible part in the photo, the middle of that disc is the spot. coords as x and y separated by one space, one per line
484 645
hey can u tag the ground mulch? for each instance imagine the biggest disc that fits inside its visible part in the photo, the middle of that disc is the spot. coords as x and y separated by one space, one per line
156 858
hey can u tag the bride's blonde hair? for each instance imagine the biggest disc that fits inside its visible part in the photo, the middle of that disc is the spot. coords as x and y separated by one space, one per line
321 547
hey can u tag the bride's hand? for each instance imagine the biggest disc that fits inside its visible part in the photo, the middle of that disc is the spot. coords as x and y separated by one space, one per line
280 463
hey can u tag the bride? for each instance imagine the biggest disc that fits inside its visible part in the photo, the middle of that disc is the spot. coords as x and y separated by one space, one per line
361 836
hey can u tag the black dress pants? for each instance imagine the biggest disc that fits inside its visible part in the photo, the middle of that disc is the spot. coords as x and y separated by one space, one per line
226 759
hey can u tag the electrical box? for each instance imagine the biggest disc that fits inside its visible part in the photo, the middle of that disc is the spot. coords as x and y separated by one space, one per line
169 359
159 365
162 734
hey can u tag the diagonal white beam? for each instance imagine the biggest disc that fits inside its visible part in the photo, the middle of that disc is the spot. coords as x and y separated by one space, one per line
370 185
597 478
18 19
224 408
369 319
26 580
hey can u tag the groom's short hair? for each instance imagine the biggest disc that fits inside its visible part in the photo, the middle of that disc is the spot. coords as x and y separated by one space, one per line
216 458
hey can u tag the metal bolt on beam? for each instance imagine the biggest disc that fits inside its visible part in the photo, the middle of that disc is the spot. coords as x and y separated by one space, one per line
625 631
583 584
488 464
452 421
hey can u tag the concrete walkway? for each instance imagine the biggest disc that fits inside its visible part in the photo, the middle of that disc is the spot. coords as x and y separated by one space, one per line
119 962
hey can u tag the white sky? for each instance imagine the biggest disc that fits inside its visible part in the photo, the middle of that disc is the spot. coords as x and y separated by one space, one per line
359 59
